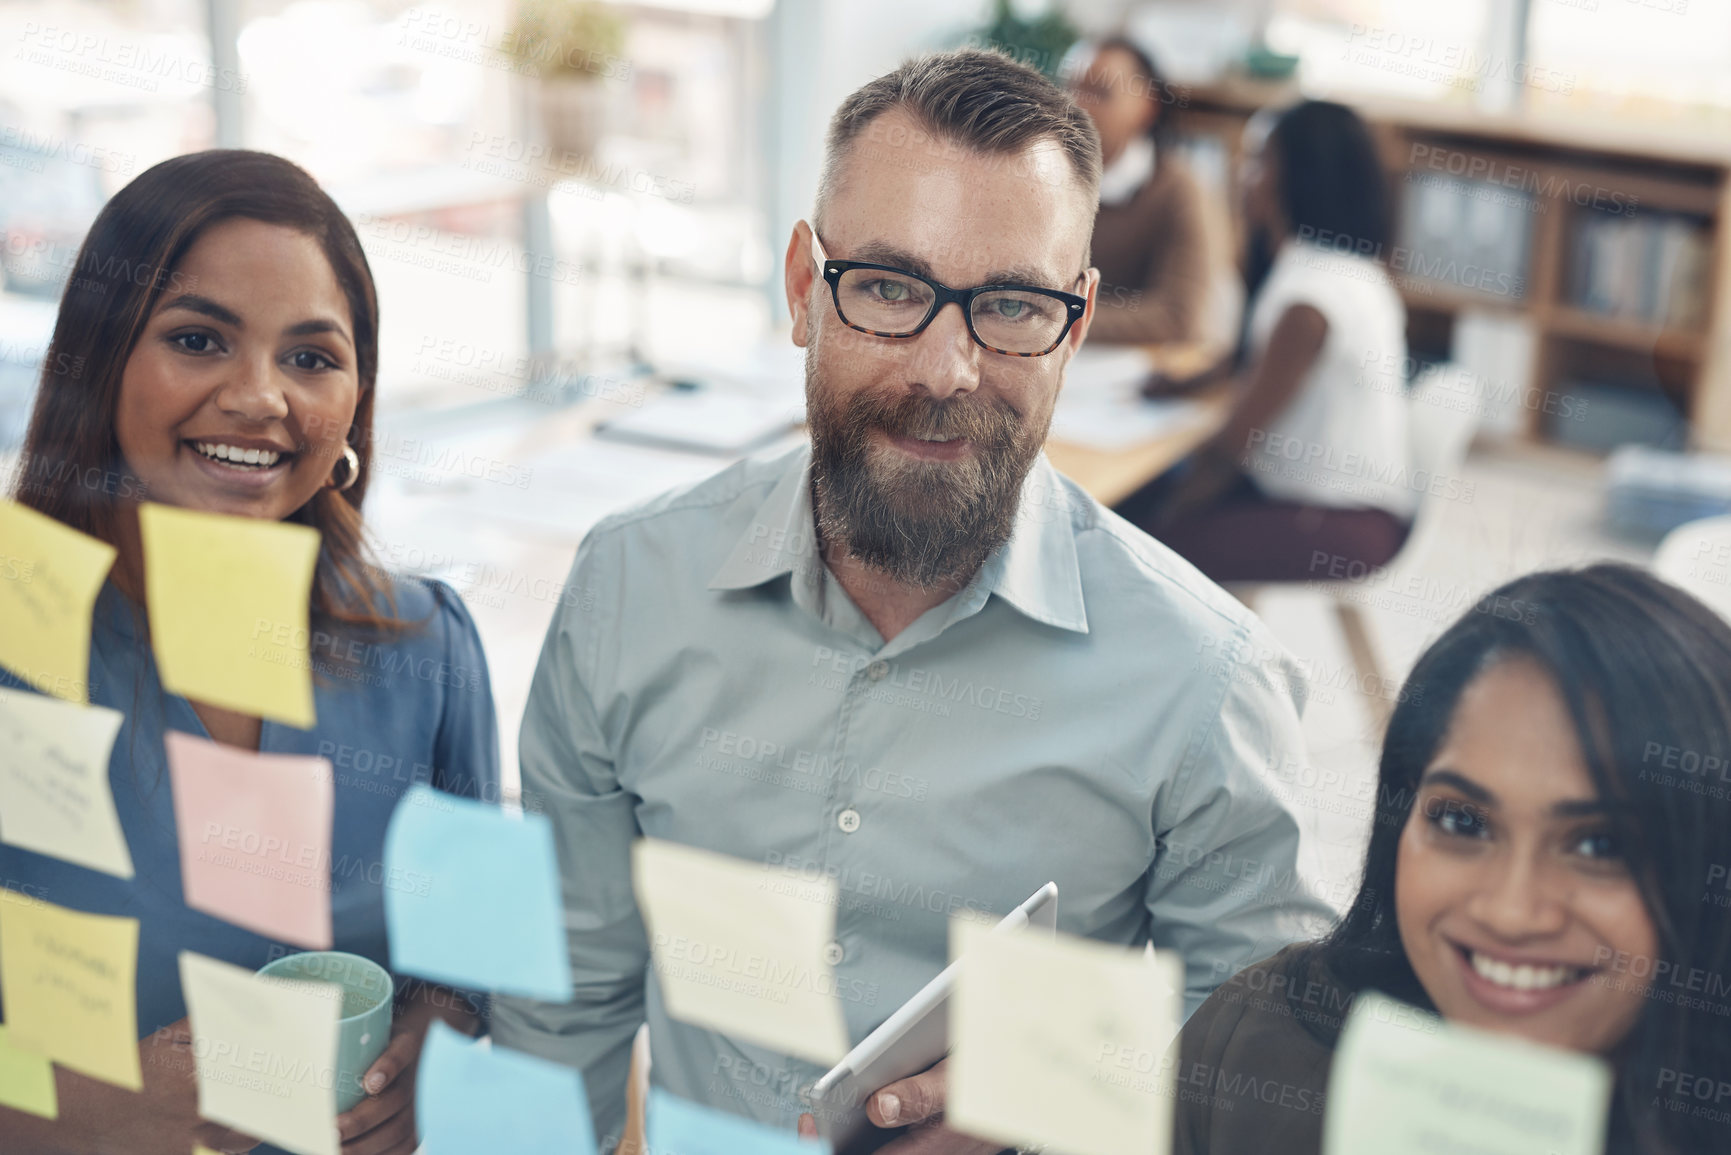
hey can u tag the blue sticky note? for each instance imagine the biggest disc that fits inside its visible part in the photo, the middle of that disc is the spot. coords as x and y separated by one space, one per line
471 1098
472 897
676 1127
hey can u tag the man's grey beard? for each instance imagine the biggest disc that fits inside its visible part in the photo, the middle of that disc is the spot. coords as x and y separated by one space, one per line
919 523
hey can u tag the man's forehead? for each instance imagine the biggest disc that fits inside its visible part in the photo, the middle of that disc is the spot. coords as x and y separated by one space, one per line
907 193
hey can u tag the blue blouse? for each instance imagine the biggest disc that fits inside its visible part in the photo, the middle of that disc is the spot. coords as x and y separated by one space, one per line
415 708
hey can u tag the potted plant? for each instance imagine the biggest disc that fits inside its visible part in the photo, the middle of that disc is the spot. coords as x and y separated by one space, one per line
570 46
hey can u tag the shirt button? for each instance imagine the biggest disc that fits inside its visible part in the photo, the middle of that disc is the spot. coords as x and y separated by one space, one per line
848 820
833 954
877 670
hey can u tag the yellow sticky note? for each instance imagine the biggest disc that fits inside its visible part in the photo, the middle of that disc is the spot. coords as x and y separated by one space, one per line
54 791
50 575
228 600
70 979
740 950
1059 1041
266 1051
26 1081
1405 1080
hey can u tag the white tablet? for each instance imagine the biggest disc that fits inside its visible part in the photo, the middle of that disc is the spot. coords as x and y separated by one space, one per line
910 1040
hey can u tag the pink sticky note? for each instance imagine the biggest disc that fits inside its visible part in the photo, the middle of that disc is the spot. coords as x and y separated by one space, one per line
255 837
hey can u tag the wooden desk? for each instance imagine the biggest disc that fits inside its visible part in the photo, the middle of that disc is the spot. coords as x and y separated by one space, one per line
1110 476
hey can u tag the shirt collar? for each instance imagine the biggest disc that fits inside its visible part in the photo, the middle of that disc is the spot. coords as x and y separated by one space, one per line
1129 172
1036 571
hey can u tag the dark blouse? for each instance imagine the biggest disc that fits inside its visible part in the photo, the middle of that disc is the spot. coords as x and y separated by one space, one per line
1251 1080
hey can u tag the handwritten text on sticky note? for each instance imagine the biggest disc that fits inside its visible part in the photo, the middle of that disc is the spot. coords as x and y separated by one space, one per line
54 790
69 979
266 1051
1404 1080
1038 1028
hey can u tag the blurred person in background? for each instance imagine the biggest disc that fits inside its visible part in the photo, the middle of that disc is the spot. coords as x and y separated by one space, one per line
1313 456
217 350
1164 260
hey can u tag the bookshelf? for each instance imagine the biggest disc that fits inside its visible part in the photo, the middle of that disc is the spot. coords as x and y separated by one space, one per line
1611 244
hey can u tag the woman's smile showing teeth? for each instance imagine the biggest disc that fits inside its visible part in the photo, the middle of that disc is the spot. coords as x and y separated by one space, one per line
227 459
1516 987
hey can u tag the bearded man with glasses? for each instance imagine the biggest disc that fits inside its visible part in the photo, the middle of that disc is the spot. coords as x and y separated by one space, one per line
912 659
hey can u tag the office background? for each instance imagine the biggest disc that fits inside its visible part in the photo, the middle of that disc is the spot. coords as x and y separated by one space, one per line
562 234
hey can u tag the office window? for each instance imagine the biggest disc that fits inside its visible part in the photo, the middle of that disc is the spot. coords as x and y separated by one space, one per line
1636 59
1415 49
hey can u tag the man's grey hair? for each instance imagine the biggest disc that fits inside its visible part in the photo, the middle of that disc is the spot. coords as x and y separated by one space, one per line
974 99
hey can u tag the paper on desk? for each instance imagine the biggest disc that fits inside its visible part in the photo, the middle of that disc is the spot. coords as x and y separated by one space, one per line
266 1050
255 837
70 983
228 600
740 950
50 575
55 796
1059 1041
674 1126
470 1097
26 1081
478 904
1117 370
706 421
1112 422
1404 1080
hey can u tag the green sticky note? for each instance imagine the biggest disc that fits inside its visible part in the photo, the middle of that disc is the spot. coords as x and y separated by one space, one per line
1404 1080
26 1081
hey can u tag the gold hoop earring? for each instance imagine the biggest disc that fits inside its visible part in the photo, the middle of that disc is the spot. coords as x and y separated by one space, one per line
353 472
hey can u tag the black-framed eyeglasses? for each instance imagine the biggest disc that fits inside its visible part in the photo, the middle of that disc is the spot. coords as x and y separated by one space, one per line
1016 320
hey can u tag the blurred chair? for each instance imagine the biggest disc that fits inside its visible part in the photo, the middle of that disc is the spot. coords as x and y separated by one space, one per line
1697 557
1438 435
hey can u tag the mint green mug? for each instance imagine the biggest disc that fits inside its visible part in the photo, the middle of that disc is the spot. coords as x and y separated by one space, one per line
364 1019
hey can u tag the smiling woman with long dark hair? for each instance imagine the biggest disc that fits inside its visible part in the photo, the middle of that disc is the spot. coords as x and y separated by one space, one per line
217 350
1549 827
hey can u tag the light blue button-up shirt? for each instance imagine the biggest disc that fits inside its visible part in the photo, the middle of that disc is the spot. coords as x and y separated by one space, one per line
1089 709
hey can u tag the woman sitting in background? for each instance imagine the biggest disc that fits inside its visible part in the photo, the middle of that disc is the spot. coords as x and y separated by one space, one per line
217 351
1165 266
1313 458
1537 857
